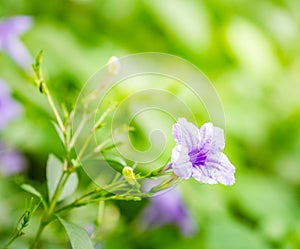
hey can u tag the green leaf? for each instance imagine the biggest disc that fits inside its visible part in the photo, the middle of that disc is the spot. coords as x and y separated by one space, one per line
33 191
78 236
54 173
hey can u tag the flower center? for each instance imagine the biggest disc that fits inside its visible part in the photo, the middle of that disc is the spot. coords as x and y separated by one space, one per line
197 157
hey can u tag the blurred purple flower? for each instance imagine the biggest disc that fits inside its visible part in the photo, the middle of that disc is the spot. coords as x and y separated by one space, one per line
168 208
10 30
11 161
9 108
198 153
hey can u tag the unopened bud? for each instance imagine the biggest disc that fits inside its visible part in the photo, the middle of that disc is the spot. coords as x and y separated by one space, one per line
129 175
113 65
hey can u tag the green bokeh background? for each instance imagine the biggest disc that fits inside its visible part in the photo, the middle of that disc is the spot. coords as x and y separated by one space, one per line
251 52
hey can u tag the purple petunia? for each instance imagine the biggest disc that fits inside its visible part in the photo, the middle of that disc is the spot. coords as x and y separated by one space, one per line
198 153
10 31
168 208
9 108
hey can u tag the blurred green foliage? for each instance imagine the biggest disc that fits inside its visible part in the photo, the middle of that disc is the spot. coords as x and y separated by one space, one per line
249 49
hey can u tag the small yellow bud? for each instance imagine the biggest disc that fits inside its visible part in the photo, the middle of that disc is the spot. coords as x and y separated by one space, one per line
129 175
113 65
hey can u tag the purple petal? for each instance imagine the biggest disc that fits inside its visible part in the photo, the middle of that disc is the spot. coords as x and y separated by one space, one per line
206 138
15 25
168 208
18 52
217 168
10 30
202 174
218 139
181 162
186 134
11 161
4 89
9 108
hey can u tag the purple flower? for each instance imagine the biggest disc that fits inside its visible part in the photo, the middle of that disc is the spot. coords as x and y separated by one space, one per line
10 30
198 153
9 108
11 161
168 208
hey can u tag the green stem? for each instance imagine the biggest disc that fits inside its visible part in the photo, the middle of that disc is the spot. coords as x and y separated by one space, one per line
79 201
46 219
38 235
96 196
83 148
53 107
88 197
68 169
62 181
12 239
77 133
44 89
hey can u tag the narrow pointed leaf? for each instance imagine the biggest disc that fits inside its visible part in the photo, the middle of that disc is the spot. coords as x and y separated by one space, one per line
33 191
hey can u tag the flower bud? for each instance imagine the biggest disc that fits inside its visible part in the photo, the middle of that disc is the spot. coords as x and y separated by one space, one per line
129 175
113 65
